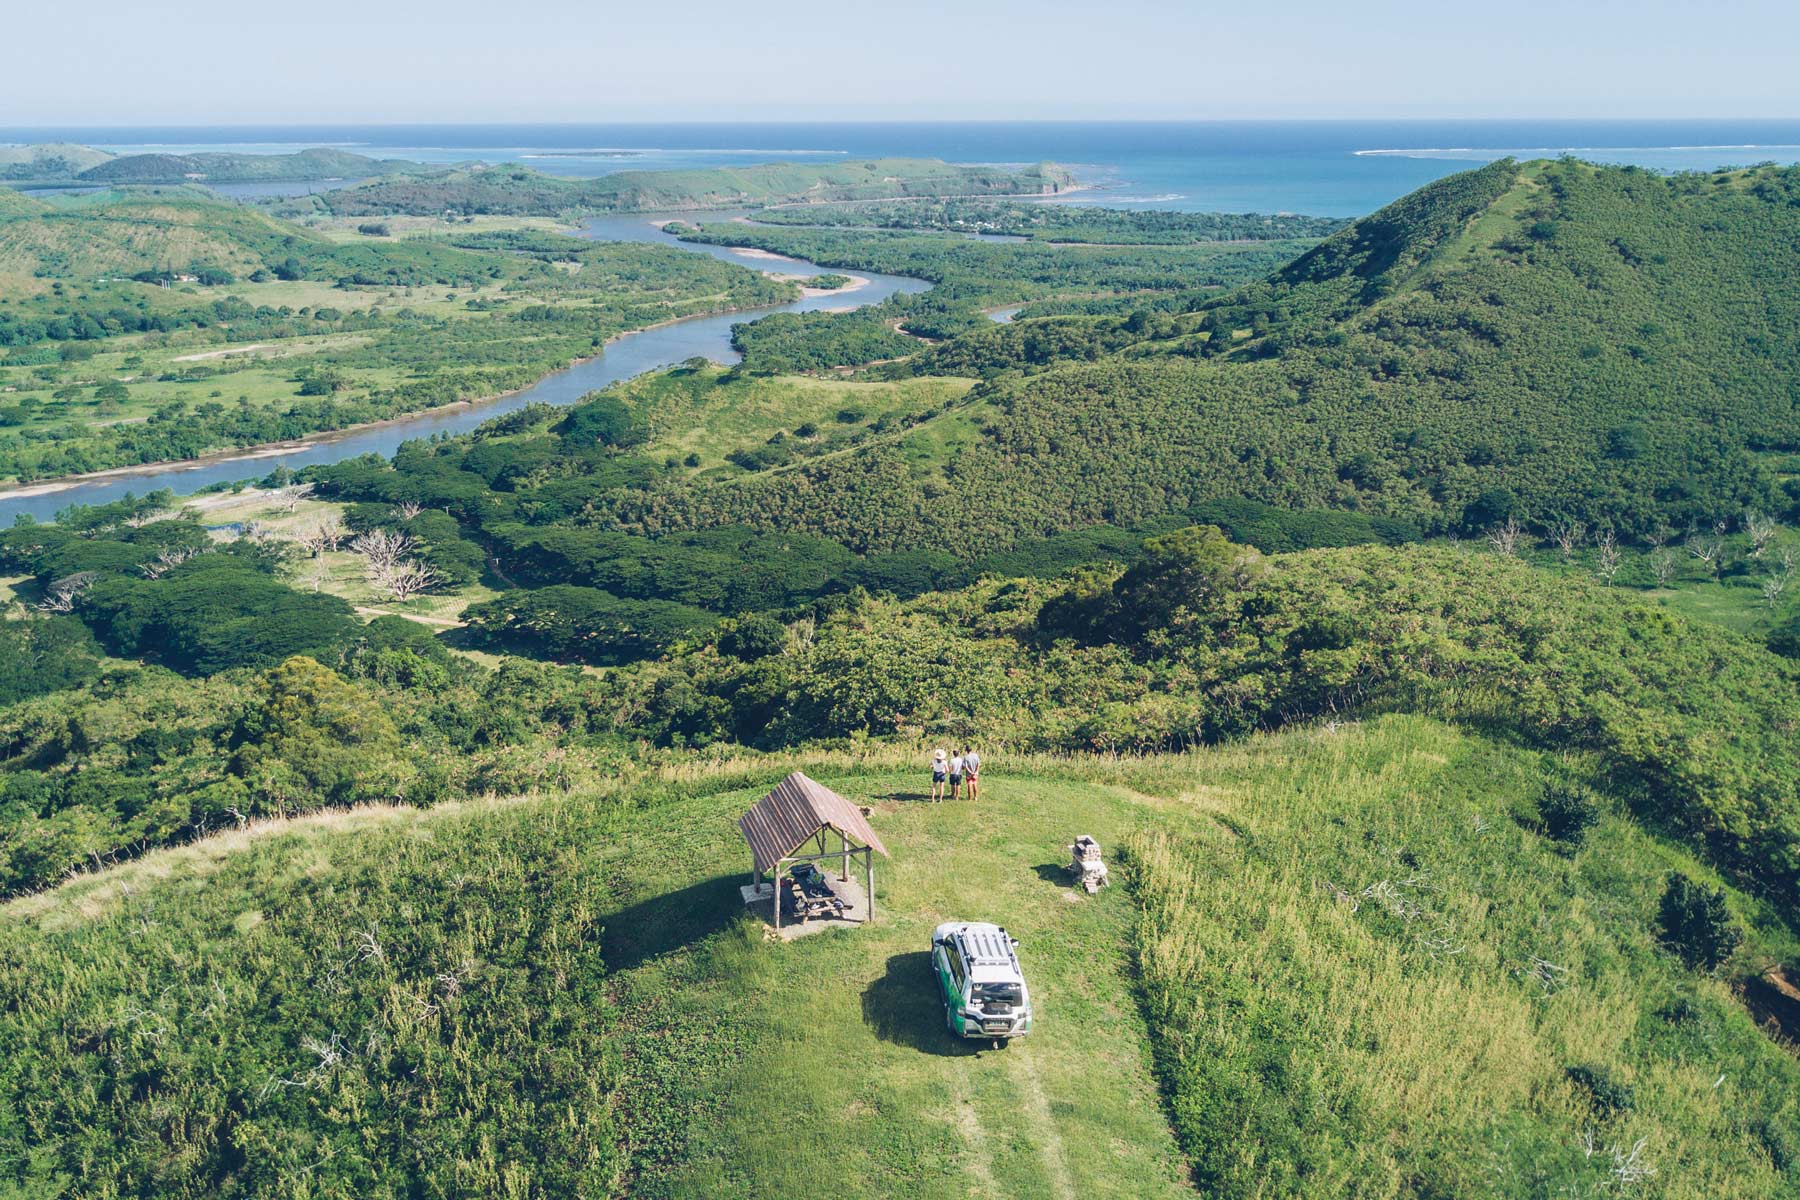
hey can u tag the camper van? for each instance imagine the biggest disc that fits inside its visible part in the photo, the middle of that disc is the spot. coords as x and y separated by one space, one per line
978 974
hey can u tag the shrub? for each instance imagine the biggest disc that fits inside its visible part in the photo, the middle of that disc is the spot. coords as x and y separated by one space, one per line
1606 1094
1696 923
1565 813
754 637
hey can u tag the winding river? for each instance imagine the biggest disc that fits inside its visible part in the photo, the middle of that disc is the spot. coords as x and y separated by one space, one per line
629 355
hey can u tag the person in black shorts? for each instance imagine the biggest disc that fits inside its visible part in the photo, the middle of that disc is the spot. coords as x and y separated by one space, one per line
940 773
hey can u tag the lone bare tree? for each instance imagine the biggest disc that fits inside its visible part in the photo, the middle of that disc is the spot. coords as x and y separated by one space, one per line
1781 571
406 510
1607 559
1505 538
1761 530
384 547
1568 536
288 499
1772 588
167 559
327 533
1662 565
1710 550
405 579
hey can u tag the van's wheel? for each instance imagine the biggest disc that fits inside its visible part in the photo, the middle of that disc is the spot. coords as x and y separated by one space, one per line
949 1021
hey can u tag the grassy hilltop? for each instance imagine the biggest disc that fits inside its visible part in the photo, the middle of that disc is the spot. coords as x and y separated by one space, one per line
1364 977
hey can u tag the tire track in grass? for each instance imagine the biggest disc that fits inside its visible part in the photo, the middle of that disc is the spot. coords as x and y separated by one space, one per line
968 1123
1035 1107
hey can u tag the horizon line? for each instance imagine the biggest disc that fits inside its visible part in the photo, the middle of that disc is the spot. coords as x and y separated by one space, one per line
1147 120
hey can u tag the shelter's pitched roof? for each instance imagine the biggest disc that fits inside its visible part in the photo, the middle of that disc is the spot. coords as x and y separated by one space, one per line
792 815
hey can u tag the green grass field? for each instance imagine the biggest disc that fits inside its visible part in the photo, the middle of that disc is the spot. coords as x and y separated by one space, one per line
562 996
709 413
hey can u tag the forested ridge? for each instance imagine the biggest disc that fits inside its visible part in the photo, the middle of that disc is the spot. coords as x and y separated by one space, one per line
1550 340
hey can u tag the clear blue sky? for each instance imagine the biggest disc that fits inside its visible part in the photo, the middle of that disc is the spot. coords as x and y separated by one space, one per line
218 62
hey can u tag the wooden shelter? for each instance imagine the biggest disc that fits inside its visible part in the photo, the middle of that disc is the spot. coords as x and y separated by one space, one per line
798 815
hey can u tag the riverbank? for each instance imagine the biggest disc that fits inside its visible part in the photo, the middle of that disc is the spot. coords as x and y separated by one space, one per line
325 437
626 355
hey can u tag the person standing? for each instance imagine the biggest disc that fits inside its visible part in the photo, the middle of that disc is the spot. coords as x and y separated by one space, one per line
972 772
940 770
956 776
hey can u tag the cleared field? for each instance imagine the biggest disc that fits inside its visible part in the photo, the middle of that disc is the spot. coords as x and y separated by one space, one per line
349 229
708 412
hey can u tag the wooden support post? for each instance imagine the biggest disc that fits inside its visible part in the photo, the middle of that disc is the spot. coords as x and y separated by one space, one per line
844 871
869 864
775 896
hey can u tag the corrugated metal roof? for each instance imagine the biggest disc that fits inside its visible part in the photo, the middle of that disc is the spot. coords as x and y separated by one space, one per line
792 815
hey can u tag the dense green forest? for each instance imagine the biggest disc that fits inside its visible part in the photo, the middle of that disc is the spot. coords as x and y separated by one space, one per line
520 191
1057 222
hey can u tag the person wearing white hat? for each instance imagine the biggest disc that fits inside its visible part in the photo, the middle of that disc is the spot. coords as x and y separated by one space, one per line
940 773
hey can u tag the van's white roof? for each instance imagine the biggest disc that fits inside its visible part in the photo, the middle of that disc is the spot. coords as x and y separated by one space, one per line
990 950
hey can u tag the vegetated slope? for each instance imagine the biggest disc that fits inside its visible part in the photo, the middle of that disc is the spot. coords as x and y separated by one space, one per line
218 167
1550 339
520 191
120 233
1365 976
48 161
1382 976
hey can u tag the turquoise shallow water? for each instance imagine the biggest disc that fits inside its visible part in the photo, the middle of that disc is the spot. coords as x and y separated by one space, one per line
1331 168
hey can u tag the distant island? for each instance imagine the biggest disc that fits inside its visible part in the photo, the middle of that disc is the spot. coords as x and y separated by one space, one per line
59 164
520 191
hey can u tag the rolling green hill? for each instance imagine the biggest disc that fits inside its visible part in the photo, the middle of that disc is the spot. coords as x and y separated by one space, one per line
48 161
1545 340
119 233
520 191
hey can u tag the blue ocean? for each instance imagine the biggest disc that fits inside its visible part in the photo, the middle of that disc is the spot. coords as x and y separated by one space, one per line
1327 168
